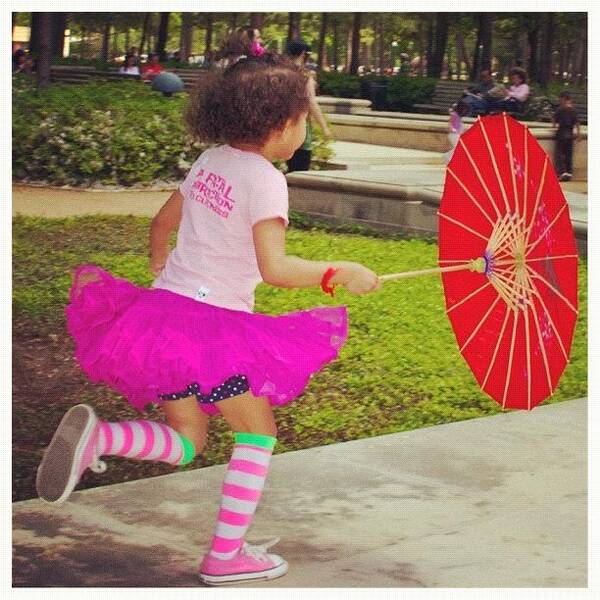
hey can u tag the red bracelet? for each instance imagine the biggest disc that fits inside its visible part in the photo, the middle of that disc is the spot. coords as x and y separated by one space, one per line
325 285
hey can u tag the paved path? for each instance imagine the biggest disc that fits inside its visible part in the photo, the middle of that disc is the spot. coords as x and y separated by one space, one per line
366 163
498 501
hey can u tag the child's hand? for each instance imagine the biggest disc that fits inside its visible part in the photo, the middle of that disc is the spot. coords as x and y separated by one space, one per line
357 279
157 264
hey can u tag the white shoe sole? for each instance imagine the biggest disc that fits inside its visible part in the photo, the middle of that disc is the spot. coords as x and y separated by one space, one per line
57 474
273 573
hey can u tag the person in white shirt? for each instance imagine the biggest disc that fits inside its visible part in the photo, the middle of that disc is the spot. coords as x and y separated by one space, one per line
129 67
516 94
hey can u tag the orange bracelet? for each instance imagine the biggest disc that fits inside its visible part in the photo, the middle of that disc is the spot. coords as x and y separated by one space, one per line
325 285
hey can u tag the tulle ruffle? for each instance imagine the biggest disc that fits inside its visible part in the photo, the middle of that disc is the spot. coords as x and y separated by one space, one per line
143 342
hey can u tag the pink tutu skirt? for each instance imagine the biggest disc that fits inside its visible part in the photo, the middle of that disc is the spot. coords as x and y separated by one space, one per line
147 342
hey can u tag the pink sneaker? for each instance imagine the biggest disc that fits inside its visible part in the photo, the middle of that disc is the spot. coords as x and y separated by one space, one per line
71 451
249 564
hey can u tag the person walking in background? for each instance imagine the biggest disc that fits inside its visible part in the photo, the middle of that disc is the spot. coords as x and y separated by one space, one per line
565 120
192 343
299 52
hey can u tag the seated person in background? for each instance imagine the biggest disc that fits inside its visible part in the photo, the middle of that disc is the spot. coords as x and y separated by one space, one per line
476 96
24 64
129 66
152 68
484 85
514 97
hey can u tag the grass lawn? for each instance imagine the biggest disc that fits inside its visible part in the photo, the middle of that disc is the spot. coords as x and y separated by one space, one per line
400 370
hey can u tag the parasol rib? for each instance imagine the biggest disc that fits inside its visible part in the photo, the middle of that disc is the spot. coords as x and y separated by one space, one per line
495 165
560 342
541 342
510 357
530 260
476 169
458 260
471 197
468 297
537 201
493 361
465 227
528 355
481 322
512 163
534 244
525 180
536 275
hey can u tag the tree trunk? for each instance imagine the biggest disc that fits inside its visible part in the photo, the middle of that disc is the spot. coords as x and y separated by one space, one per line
59 25
105 42
545 67
429 57
83 47
486 27
163 34
293 26
144 32
115 43
44 49
348 50
256 20
532 38
127 39
582 63
441 38
322 50
34 32
523 50
355 45
185 37
209 32
461 47
336 51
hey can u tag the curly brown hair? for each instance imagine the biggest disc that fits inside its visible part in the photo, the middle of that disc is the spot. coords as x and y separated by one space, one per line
247 101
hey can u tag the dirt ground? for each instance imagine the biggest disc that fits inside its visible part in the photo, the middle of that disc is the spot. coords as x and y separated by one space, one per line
47 381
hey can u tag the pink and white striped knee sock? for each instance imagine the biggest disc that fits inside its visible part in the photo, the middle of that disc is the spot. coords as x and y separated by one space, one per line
145 440
242 489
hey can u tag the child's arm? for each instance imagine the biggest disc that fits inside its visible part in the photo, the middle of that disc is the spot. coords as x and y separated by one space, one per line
280 270
163 224
315 110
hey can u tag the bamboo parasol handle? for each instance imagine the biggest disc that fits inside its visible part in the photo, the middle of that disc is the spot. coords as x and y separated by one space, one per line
478 265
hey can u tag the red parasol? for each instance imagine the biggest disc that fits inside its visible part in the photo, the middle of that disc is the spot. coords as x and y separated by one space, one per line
508 260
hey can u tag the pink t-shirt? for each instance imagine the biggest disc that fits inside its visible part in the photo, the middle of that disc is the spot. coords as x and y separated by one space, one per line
225 193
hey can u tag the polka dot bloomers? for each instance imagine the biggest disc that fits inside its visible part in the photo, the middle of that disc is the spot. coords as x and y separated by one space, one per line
238 384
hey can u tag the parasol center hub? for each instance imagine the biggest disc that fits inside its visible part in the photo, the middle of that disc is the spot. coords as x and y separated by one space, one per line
478 264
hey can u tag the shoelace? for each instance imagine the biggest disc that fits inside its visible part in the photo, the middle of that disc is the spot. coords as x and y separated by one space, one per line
259 552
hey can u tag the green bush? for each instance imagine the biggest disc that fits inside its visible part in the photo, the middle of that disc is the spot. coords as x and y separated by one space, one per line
339 85
404 92
108 132
539 108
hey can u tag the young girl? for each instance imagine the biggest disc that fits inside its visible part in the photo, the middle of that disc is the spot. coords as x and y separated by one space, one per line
191 343
455 126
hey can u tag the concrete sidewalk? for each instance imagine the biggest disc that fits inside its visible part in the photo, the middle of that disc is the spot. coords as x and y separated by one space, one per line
498 501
